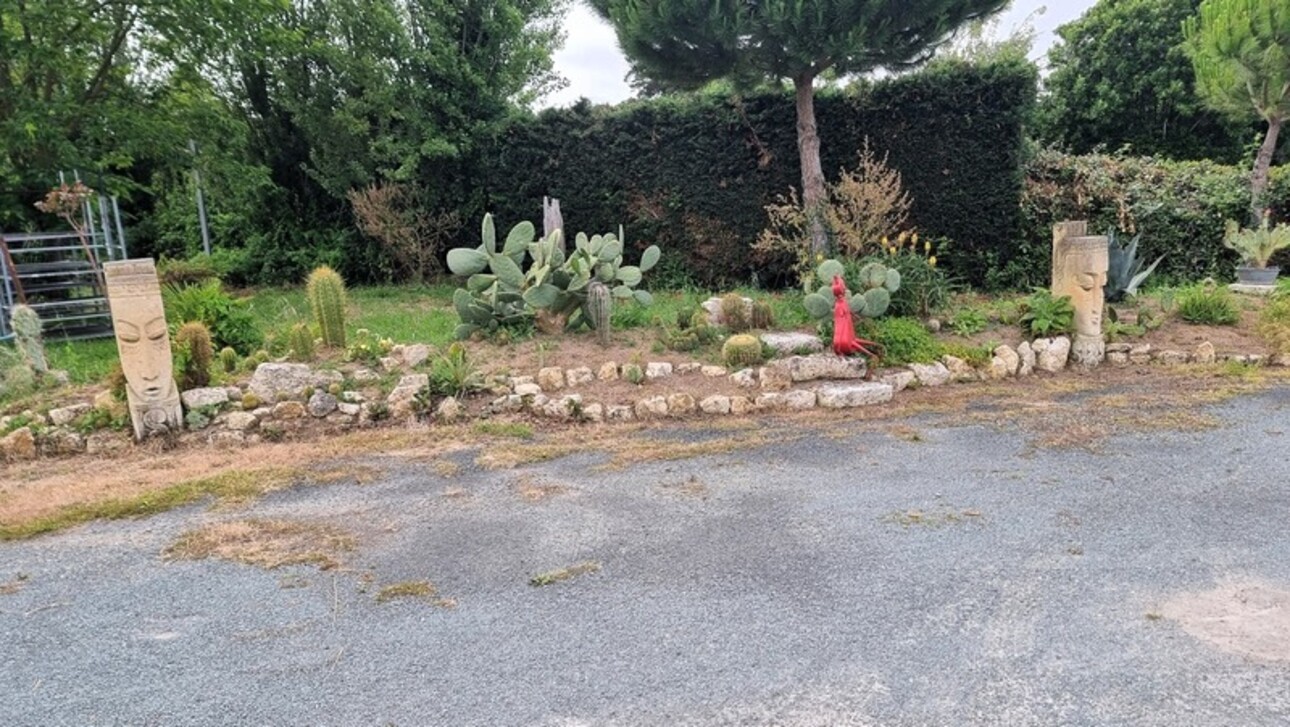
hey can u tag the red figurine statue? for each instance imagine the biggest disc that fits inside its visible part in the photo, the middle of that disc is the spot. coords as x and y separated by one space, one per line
845 341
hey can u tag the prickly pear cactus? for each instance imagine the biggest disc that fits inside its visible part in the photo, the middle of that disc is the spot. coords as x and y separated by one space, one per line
26 330
870 290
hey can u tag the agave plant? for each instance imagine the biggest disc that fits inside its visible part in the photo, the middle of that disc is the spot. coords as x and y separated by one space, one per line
553 291
1125 274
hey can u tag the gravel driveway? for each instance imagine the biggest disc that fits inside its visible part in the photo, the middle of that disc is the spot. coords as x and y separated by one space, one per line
953 575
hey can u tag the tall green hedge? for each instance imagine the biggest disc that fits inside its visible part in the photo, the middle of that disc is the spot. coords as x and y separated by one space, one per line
693 174
1179 208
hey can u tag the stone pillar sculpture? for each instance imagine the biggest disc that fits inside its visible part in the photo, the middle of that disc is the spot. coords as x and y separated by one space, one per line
1080 263
143 341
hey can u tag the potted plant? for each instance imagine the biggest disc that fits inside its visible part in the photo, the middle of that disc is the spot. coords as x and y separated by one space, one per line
1256 248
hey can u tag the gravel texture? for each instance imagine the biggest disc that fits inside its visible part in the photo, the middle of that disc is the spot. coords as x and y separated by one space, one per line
959 577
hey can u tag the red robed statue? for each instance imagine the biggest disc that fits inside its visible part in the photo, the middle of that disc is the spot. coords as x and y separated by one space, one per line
845 341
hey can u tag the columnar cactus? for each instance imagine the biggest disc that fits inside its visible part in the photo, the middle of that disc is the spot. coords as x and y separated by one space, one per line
301 342
741 350
26 330
327 299
599 310
734 313
871 294
228 360
763 316
193 342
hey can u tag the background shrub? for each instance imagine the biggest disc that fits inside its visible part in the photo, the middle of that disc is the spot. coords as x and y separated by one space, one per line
229 321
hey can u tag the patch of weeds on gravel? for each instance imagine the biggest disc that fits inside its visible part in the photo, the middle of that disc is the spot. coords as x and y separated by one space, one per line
15 585
265 543
564 574
513 430
418 590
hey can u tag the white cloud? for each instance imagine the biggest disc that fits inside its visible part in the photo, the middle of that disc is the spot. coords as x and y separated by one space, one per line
595 67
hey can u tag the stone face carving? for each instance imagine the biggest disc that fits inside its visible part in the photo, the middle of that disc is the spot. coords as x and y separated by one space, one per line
1080 263
143 342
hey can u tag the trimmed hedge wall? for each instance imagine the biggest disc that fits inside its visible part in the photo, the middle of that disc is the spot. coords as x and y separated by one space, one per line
1180 209
694 173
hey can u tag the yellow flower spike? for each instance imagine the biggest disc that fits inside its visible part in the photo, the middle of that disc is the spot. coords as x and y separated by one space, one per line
884 241
932 261
927 246
915 238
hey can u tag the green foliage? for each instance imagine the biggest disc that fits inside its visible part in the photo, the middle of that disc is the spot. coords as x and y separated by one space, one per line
229 321
968 322
873 285
741 351
326 293
454 374
1274 324
691 339
368 347
734 313
1125 274
924 285
633 374
301 342
903 340
1256 247
600 310
228 360
196 270
26 326
1048 316
954 132
1120 76
500 293
1208 304
193 355
975 356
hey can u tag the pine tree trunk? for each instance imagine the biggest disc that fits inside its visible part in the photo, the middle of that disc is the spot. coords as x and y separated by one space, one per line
1262 164
814 195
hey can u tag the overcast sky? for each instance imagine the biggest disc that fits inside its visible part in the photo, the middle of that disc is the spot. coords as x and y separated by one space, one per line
595 67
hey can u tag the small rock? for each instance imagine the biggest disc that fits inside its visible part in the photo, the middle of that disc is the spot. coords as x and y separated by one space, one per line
514 381
798 400
507 404
390 363
213 397
594 413
854 395
400 399
746 379
775 377
715 404
679 405
321 404
741 405
769 400
898 380
654 406
415 354
1117 358
1027 356
551 378
62 441
241 421
1140 354
289 410
959 369
566 407
1039 345
713 372
271 379
825 366
352 397
20 444
1054 355
528 389
228 438
713 308
106 443
658 370
608 371
579 376
931 374
788 344
1119 347
365 376
63 416
688 368
1205 353
448 410
1170 357
234 393
60 377
1011 359
349 410
618 413
998 369
933 325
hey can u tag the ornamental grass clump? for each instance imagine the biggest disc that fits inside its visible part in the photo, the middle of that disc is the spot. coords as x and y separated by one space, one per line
1207 304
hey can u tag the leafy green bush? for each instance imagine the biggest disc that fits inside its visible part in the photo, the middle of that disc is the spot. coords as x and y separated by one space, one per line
229 321
1209 305
195 270
968 322
903 340
1048 316
1274 323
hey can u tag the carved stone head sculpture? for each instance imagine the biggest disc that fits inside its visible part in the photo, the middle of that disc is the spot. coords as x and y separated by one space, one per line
143 342
1080 264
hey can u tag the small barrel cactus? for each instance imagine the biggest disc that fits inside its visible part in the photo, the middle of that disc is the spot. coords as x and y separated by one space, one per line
26 332
600 310
250 401
193 342
741 351
228 360
763 317
327 300
734 313
301 342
